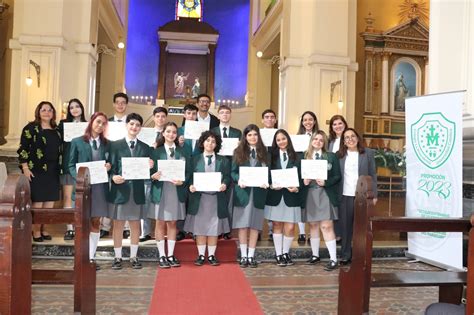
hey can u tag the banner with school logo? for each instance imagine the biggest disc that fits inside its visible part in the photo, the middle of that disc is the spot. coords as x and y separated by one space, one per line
434 174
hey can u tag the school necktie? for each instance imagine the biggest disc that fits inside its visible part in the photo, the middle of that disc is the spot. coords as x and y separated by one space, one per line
209 159
119 120
171 152
132 144
316 156
225 132
94 144
284 157
158 133
252 153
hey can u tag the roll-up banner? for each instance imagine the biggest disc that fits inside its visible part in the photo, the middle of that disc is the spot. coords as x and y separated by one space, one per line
434 174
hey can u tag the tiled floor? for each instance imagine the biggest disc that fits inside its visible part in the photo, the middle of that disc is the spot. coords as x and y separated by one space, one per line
298 289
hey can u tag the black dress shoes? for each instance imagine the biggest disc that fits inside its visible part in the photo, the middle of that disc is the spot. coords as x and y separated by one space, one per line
46 237
173 261
200 260
288 260
302 239
252 262
117 264
313 260
270 237
344 262
145 238
38 239
227 236
69 235
213 260
126 234
331 265
280 261
244 262
135 263
103 233
180 236
163 263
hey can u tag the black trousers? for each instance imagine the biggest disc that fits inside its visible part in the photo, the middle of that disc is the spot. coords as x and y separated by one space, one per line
346 222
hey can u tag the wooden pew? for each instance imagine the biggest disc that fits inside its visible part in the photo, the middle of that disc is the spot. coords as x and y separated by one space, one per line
16 273
355 282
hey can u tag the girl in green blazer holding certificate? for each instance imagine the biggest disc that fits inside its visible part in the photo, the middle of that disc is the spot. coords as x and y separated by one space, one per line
127 196
167 197
283 204
321 199
93 146
248 201
207 210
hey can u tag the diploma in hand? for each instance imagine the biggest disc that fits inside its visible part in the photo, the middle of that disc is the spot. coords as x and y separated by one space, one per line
300 142
267 136
97 171
116 130
228 146
253 176
314 169
207 181
285 178
135 168
193 129
171 170
147 135
73 130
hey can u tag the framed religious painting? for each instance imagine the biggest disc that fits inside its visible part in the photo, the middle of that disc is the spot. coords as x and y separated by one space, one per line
405 82
186 76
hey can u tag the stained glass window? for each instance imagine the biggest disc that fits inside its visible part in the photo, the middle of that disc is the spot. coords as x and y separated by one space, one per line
189 9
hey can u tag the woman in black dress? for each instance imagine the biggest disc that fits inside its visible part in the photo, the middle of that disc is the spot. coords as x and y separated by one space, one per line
39 157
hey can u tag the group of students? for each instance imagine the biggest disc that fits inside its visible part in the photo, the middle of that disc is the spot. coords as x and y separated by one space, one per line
205 214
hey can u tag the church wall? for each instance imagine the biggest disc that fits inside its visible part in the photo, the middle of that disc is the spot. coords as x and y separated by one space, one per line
6 29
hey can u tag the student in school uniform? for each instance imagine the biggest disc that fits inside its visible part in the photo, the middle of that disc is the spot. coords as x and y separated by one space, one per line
75 113
249 202
160 117
283 205
167 198
93 146
127 196
308 126
207 211
321 199
225 130
354 160
189 146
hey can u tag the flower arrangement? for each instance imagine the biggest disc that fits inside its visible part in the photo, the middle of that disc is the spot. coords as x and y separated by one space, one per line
393 160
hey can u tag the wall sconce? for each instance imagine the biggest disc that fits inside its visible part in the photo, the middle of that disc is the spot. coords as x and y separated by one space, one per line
121 45
333 87
3 8
29 80
259 54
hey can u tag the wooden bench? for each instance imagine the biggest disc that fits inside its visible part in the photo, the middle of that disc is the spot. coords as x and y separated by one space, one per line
355 282
16 273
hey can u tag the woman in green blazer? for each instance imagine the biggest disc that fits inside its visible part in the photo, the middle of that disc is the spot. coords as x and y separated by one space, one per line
167 197
93 146
207 210
283 204
249 202
127 196
321 199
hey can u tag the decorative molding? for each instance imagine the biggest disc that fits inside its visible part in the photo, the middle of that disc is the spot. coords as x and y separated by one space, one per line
24 40
329 59
88 49
289 62
190 37
269 28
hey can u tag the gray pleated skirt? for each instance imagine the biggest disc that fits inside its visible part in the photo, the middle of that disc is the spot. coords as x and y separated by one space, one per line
99 206
169 208
318 206
248 217
283 213
206 222
66 179
126 211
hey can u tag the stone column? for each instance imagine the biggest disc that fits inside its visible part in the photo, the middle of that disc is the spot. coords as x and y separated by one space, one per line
385 83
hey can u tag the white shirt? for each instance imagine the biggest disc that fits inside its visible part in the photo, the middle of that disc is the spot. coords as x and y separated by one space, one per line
207 119
128 141
351 173
320 154
97 140
282 160
221 127
336 145
122 119
168 152
213 158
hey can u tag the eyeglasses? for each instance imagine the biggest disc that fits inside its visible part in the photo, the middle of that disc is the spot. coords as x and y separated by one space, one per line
204 101
347 138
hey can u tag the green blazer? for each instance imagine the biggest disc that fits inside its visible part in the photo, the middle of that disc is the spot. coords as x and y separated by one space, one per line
331 185
241 196
291 199
188 145
80 151
156 186
120 194
222 165
233 132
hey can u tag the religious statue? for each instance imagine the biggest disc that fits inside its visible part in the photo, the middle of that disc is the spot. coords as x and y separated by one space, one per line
196 90
179 80
401 92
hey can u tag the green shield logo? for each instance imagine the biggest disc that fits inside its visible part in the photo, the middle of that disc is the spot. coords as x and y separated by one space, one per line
432 137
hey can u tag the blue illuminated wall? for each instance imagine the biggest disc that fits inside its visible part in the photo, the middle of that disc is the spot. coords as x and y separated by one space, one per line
230 18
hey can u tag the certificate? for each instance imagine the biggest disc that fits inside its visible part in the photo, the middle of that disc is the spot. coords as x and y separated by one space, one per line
73 130
136 168
193 129
300 142
285 178
253 176
116 130
314 169
207 181
228 146
147 135
171 170
97 171
267 136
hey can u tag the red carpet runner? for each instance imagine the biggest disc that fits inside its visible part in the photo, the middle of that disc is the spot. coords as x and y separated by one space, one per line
203 290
